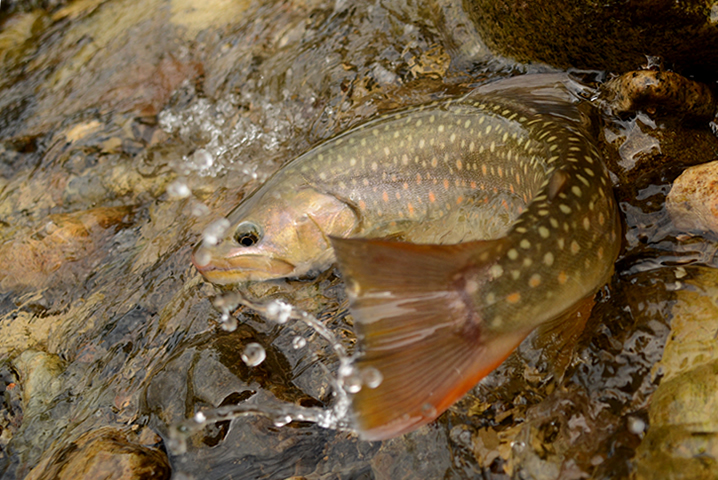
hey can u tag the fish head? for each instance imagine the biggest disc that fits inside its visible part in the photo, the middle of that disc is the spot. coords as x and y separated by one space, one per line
274 235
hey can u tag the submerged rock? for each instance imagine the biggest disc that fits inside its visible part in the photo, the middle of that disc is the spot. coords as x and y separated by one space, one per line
105 453
66 247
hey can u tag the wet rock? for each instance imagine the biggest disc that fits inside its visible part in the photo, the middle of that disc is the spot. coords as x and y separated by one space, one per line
654 120
693 199
16 31
40 256
661 92
197 16
682 439
614 35
105 453
39 377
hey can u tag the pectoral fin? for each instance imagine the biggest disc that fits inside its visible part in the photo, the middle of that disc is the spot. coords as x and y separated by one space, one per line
419 327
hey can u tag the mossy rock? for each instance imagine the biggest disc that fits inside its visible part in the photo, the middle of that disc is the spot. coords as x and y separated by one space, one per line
613 35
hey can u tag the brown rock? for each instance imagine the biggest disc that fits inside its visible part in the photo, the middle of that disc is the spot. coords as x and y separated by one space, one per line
105 454
32 258
693 199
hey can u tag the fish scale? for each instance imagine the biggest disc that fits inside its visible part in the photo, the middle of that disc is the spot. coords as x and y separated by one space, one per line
458 227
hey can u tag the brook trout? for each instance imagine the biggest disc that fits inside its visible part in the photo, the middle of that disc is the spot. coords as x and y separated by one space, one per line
507 170
433 174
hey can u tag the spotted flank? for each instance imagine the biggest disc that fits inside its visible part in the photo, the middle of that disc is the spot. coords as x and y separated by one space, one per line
458 227
443 173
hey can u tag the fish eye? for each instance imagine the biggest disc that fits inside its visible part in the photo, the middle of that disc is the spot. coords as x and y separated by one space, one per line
247 234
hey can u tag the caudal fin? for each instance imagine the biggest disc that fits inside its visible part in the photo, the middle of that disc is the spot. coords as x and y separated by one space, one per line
419 327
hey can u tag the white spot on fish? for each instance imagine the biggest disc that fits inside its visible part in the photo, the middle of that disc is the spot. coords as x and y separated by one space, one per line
548 259
496 271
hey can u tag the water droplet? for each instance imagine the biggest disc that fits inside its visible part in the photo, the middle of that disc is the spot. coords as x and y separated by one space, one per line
371 377
352 383
202 257
199 209
352 288
636 425
253 354
228 323
346 370
279 311
298 343
214 232
201 160
428 410
282 420
178 190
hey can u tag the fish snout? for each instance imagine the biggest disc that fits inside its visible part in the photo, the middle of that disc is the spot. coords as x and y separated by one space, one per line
236 266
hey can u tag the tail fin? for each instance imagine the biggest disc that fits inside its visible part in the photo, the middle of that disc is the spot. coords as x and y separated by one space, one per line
419 327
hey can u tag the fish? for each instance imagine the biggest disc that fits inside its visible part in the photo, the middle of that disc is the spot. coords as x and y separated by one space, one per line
458 227
433 320
409 175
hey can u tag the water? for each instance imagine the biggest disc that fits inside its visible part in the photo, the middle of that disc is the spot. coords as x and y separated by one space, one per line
150 122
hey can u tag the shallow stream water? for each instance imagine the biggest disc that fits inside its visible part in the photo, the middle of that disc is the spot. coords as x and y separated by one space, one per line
127 128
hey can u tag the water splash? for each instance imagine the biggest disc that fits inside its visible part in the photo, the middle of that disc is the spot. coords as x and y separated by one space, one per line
348 380
221 135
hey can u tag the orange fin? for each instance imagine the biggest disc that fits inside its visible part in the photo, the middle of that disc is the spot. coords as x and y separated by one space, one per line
418 326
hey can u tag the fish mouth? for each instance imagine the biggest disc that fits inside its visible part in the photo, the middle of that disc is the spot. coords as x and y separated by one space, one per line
239 268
